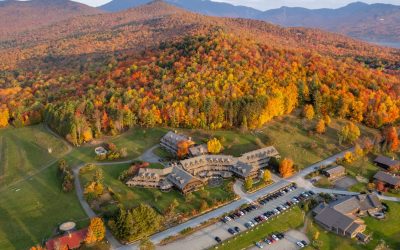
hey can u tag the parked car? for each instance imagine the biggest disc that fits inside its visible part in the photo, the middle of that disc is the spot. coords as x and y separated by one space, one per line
304 243
275 237
299 244
259 245
237 229
268 241
218 239
231 231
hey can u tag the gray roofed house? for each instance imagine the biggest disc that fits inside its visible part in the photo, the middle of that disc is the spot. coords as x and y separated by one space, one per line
387 163
341 216
334 172
391 180
171 140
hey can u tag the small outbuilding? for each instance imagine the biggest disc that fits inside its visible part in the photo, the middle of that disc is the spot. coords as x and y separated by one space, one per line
390 180
334 172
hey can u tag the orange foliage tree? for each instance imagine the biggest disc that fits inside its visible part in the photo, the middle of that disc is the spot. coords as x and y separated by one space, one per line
286 168
320 127
4 117
392 139
96 231
183 148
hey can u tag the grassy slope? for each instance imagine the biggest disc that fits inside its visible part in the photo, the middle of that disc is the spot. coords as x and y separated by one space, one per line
387 230
290 220
32 213
24 150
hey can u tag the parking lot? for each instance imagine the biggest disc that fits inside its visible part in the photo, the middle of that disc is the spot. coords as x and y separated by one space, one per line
205 238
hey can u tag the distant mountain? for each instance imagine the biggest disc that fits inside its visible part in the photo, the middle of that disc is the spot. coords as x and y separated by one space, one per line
375 22
20 16
205 7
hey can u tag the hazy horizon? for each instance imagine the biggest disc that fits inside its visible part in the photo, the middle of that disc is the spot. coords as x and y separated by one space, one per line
265 5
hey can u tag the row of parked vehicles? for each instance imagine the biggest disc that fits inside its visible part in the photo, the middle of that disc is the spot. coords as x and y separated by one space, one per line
277 194
239 213
271 239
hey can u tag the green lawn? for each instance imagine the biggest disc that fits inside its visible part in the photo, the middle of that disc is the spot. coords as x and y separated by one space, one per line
132 197
25 150
387 230
30 211
290 220
289 134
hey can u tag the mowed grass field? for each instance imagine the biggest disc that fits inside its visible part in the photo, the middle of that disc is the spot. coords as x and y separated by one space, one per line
26 150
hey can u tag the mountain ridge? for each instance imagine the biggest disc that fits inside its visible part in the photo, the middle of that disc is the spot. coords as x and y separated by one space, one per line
360 25
22 16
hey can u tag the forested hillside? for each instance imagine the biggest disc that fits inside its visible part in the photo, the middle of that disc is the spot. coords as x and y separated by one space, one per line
208 73
19 16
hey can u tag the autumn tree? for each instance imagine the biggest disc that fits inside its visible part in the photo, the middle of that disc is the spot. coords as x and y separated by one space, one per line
348 157
248 183
96 231
349 133
267 175
392 139
358 151
327 120
37 247
214 146
320 127
286 168
4 117
380 186
308 112
183 148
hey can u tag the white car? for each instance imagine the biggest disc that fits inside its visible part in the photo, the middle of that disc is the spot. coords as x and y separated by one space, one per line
276 211
275 237
300 244
227 218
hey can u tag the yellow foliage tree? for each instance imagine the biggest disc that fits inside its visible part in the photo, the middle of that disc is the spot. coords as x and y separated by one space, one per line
308 112
327 120
96 231
37 247
286 168
267 175
4 117
94 188
348 157
214 146
320 127
87 135
358 151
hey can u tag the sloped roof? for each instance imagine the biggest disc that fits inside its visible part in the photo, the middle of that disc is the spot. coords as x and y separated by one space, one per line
387 178
198 150
71 240
387 161
335 169
259 154
332 218
180 177
345 205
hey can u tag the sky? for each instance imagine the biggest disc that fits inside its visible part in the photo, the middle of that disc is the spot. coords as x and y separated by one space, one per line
271 4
